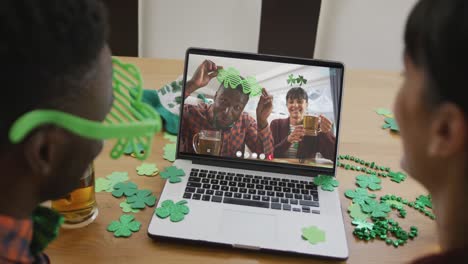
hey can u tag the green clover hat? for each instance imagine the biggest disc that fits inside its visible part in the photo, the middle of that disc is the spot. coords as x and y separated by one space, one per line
131 121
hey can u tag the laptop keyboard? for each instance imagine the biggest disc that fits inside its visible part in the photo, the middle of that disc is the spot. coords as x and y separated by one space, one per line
249 190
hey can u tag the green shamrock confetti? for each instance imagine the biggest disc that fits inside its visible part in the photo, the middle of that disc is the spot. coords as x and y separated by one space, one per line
127 188
372 182
391 123
171 138
118 176
356 212
424 200
397 176
383 111
313 234
147 169
173 174
359 223
176 211
126 208
141 199
360 195
376 209
327 183
103 185
124 227
395 203
170 152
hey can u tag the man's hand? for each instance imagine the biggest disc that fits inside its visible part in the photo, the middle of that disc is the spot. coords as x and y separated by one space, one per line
264 108
296 135
325 124
202 76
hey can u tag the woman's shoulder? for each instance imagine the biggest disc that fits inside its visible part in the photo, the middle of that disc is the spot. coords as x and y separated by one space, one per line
280 121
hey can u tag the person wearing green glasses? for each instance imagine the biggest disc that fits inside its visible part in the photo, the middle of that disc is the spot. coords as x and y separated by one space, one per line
54 56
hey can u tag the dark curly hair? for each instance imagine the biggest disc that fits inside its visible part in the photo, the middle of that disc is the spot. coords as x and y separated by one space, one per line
436 40
47 48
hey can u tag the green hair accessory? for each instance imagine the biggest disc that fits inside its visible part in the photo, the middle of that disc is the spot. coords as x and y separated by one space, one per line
130 121
230 78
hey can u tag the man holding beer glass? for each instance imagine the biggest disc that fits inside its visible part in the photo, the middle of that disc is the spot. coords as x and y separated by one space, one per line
302 135
54 56
223 128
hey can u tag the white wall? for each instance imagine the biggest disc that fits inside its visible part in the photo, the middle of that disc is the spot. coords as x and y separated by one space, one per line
363 33
366 34
169 27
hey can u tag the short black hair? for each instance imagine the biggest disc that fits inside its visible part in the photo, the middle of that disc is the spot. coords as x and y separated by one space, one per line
436 40
47 48
297 93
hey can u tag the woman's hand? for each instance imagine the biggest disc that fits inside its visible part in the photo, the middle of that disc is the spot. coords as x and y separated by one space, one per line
296 135
325 124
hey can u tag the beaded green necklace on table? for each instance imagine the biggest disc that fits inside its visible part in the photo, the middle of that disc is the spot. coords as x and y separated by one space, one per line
382 227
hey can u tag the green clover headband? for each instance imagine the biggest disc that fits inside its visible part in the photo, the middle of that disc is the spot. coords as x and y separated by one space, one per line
130 121
231 78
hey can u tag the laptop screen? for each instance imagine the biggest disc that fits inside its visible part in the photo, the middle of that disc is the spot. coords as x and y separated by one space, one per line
261 110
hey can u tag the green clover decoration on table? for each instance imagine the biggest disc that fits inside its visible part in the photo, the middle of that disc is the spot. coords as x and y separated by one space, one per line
230 78
359 196
125 226
397 176
356 212
171 138
176 211
313 234
141 199
376 209
360 223
107 184
124 188
147 169
126 208
391 124
327 183
385 112
170 152
172 174
372 182
424 201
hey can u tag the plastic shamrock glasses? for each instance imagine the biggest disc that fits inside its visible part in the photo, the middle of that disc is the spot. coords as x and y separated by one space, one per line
230 78
130 121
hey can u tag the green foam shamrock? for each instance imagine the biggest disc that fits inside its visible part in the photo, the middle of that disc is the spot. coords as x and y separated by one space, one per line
118 176
384 111
397 176
360 195
176 211
147 169
124 227
376 209
372 182
391 123
359 223
424 200
141 199
126 208
103 185
127 188
170 137
313 234
170 152
327 183
356 212
173 174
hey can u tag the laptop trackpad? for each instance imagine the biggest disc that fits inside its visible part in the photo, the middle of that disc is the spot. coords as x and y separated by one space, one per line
247 228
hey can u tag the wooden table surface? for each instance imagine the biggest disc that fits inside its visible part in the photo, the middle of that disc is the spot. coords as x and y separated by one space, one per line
361 135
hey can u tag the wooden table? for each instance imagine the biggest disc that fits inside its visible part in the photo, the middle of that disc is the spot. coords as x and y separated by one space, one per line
361 135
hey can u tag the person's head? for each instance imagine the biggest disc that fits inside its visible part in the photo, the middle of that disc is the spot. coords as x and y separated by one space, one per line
228 105
54 56
432 107
297 102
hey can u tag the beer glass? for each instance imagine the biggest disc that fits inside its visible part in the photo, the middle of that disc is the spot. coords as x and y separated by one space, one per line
311 124
207 142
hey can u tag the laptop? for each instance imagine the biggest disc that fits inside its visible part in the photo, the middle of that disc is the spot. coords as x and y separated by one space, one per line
248 173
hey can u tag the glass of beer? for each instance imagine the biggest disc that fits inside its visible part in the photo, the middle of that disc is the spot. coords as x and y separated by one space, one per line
207 142
311 124
79 207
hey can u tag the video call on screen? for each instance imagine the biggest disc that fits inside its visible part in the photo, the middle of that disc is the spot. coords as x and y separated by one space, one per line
292 121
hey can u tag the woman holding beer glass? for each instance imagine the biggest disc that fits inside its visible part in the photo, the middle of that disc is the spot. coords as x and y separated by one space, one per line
302 135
